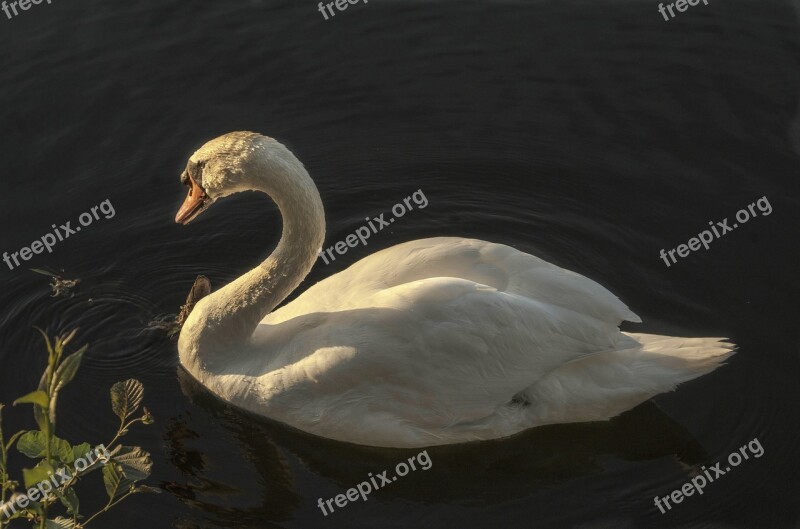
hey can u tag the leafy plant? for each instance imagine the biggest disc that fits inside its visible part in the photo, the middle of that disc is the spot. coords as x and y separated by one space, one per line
50 483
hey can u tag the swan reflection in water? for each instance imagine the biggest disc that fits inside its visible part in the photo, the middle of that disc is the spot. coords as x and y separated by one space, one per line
251 478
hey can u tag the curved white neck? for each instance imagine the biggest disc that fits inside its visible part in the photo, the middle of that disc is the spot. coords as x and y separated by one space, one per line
228 317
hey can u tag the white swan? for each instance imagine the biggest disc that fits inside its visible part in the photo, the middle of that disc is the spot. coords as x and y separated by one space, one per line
429 342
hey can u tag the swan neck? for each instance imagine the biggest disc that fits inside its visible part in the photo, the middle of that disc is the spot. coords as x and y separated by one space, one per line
230 316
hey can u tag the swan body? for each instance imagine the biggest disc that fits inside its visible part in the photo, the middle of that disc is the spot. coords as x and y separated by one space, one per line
434 341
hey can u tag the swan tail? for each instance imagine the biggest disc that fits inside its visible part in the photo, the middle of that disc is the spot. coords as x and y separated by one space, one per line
683 359
603 385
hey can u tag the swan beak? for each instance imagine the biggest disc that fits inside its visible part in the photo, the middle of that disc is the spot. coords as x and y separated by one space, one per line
196 202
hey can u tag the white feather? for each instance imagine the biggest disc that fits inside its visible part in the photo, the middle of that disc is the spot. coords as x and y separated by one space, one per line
434 341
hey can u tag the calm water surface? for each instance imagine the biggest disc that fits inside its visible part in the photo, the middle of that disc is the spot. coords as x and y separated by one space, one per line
590 134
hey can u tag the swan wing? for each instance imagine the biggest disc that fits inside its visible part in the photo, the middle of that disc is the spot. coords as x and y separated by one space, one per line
458 349
496 265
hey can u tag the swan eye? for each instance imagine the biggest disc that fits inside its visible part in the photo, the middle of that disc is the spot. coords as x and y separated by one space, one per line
190 174
195 171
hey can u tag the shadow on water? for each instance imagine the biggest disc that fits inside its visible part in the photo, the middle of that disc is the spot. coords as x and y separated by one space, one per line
515 467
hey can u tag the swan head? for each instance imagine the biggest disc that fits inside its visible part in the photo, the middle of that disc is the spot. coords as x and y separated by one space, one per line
221 167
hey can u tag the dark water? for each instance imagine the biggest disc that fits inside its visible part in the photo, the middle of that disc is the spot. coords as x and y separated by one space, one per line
590 134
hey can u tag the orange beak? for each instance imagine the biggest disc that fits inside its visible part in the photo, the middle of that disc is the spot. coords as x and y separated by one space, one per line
196 202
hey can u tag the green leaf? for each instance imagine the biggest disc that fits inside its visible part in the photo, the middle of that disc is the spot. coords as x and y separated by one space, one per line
39 413
33 444
14 438
112 478
94 458
37 474
79 451
46 340
41 417
64 340
39 398
69 498
62 450
126 397
64 375
44 378
135 463
59 523
66 371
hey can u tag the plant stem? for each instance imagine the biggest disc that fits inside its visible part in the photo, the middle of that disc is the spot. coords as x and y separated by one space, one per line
122 428
49 429
110 504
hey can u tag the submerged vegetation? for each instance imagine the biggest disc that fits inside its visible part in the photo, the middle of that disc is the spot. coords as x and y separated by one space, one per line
49 484
61 287
172 325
